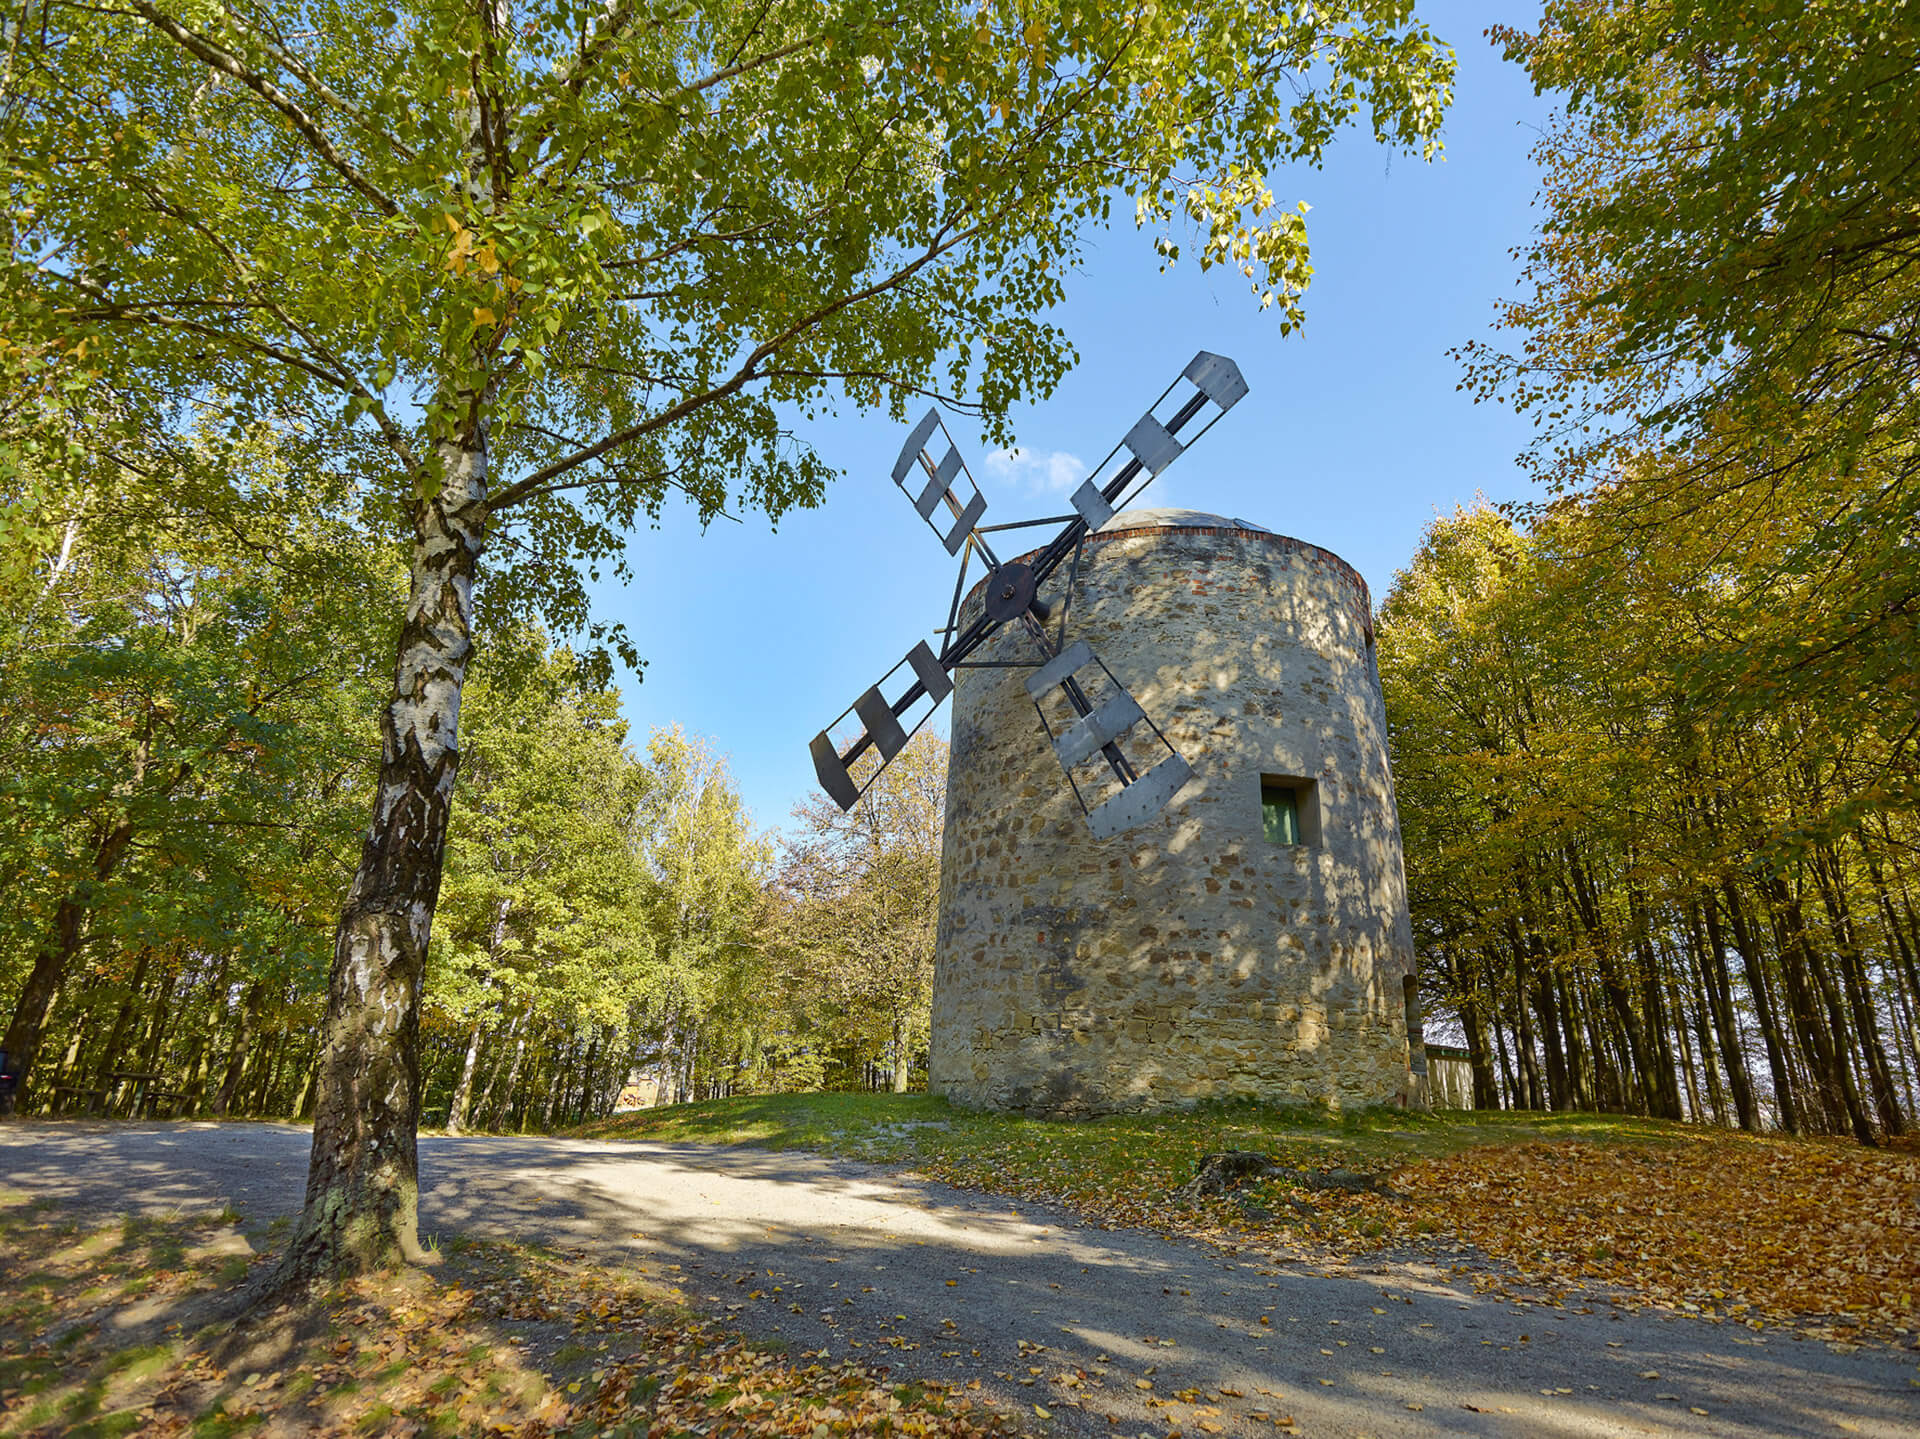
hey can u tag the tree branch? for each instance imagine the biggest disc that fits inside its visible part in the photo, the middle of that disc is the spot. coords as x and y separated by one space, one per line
218 336
738 380
227 63
298 68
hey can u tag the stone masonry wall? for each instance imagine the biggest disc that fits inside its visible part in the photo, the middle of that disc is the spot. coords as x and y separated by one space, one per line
1190 958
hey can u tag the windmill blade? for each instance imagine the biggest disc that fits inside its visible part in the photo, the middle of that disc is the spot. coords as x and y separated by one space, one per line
1149 446
1216 381
1141 800
932 487
883 730
1098 730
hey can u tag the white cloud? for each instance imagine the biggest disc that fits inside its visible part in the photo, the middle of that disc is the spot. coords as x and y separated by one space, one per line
1038 471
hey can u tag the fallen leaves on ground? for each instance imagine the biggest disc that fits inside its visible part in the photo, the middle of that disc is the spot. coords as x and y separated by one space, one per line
1823 1234
106 1328
1820 1234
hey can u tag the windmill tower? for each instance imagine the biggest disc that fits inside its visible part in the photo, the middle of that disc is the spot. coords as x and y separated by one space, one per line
1172 865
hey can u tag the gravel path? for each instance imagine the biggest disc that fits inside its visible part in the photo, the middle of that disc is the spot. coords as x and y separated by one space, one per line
934 1281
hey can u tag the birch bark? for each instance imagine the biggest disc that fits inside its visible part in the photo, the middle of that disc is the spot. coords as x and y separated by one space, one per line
362 1201
463 1091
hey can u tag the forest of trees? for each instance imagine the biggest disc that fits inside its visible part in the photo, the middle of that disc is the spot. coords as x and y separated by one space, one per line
1655 735
183 713
1626 895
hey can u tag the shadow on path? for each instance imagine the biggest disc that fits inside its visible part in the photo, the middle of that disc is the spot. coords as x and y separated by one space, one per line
830 1255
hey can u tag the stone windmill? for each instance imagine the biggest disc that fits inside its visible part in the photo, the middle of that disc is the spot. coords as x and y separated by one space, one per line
1172 865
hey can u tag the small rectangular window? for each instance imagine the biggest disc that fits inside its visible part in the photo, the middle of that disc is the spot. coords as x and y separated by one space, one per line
1279 813
1289 810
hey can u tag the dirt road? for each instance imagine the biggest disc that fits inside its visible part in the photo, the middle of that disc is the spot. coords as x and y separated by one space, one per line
934 1281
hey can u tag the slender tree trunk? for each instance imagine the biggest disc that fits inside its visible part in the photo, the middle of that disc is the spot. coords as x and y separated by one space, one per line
362 1201
1579 1080
1689 1067
1688 982
1811 988
308 1072
1663 1089
1903 1024
899 1052
150 1050
577 1112
1719 984
1771 1034
269 1064
556 1079
488 1109
1906 939
1906 975
1508 1086
1831 876
463 1091
197 1064
1586 905
22 1042
503 1101
244 1021
1524 1055
1546 1005
1486 1089
110 1057
80 1022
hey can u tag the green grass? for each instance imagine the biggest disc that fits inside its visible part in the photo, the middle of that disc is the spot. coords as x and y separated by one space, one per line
1120 1168
914 1127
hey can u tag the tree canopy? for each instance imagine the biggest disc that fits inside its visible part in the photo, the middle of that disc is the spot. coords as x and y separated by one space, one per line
1717 327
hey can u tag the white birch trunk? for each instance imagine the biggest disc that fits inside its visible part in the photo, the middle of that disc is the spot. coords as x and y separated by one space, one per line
362 1181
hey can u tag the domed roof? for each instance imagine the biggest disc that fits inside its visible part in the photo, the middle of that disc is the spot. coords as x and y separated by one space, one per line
1176 519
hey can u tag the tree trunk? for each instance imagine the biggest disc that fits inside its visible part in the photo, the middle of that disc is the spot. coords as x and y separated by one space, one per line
123 1018
197 1064
30 1013
463 1091
1719 986
503 1101
242 1040
362 1201
899 1053
1662 1085
1810 990
1508 1085
1857 990
1523 1051
308 1074
1486 1088
1771 1032
150 1050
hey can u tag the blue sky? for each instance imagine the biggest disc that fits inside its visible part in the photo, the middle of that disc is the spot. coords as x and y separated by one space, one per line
1353 436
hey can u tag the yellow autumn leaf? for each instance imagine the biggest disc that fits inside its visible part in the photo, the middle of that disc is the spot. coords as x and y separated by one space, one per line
483 316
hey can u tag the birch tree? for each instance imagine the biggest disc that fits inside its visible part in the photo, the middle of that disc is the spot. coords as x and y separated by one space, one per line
555 261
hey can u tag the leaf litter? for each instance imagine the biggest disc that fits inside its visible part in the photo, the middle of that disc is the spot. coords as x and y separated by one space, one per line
120 1328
